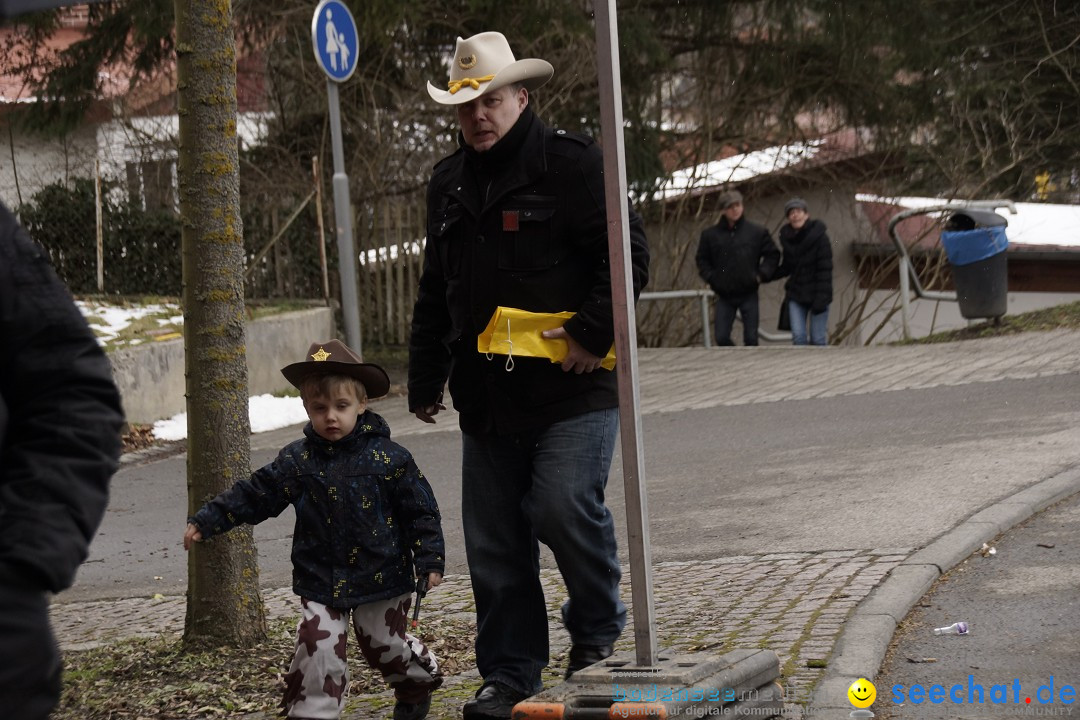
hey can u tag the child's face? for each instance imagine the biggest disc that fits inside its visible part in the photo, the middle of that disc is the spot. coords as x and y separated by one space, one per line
334 417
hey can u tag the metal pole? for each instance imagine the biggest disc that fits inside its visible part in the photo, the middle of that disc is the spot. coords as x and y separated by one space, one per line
905 296
322 232
622 301
99 230
706 335
350 306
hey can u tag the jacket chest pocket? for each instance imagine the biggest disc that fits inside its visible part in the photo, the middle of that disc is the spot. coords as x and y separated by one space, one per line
446 241
528 239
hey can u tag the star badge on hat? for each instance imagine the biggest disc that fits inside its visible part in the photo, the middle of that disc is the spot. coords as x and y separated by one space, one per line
346 362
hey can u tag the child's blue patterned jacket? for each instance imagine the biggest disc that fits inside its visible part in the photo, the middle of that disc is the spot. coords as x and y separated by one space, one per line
365 514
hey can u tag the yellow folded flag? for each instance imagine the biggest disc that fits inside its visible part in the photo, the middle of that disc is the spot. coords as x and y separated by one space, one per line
514 332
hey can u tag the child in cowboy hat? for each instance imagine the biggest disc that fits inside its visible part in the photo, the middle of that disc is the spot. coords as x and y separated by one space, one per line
367 525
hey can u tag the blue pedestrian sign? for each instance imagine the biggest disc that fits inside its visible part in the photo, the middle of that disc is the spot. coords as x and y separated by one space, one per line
333 33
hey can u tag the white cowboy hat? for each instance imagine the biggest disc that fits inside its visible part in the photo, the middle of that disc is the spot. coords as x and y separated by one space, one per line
484 63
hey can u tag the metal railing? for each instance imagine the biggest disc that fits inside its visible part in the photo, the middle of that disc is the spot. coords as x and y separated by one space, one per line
706 326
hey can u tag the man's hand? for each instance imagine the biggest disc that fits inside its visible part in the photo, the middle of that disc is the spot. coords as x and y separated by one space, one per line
434 579
191 535
428 413
577 359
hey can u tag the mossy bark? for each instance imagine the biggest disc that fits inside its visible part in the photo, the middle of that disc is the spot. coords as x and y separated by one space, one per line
224 605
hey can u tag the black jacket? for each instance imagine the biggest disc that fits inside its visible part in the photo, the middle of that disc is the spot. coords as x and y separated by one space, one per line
60 421
521 225
364 514
734 260
807 264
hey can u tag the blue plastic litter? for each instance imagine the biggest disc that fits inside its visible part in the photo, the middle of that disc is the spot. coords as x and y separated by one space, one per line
964 247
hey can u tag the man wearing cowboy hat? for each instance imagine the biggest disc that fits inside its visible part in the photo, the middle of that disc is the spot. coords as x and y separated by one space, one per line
517 218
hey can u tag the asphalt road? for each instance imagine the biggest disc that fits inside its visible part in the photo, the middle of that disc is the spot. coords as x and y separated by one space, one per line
879 469
1022 607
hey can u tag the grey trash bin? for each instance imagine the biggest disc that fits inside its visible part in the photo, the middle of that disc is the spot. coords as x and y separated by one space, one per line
975 244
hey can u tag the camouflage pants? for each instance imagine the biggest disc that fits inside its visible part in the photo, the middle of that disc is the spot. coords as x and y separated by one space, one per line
318 679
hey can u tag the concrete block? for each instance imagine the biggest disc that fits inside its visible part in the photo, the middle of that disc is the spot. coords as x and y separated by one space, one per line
953 547
1049 491
739 683
1003 515
862 646
900 591
151 376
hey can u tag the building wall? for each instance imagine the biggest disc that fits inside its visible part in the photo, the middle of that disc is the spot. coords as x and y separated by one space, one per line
30 162
673 240
926 317
872 314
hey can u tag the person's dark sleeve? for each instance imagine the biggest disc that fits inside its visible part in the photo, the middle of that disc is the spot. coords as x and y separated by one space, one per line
703 258
823 268
786 261
264 495
429 357
593 325
770 257
60 420
414 503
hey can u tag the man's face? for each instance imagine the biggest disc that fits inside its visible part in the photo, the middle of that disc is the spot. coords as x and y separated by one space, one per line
732 212
486 119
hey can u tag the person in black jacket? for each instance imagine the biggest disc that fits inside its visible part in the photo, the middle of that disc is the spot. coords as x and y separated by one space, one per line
807 264
734 257
60 425
367 525
516 218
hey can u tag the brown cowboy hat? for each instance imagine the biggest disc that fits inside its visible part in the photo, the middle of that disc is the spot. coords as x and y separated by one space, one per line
483 63
334 357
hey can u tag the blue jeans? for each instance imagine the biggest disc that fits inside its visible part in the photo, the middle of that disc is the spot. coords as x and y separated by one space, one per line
545 485
818 322
747 307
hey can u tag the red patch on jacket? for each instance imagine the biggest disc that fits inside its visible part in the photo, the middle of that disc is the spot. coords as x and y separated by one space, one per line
511 220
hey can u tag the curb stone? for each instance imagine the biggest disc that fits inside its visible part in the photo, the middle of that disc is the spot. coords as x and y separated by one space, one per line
866 637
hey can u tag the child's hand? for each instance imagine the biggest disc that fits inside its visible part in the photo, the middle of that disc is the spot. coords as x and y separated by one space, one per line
433 579
192 534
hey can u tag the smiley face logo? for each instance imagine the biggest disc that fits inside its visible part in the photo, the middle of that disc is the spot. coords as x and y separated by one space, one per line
862 693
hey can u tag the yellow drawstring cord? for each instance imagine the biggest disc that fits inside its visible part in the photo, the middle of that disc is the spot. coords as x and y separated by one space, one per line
456 85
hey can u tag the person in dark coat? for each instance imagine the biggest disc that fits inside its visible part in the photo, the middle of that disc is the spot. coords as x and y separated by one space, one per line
517 218
807 265
60 426
367 525
734 257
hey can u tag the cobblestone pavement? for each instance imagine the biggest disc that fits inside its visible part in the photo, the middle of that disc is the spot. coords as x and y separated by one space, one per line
792 603
676 379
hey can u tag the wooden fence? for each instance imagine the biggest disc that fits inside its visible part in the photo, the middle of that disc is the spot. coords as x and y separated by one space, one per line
390 245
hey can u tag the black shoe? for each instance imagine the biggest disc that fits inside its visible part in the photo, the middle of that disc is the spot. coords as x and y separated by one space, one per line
494 700
412 711
582 656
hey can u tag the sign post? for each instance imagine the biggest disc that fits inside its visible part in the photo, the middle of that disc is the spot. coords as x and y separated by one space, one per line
622 307
336 44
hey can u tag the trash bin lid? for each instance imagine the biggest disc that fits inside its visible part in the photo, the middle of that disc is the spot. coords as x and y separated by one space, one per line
971 219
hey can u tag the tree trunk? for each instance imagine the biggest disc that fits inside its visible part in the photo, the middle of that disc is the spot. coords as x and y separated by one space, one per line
224 605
